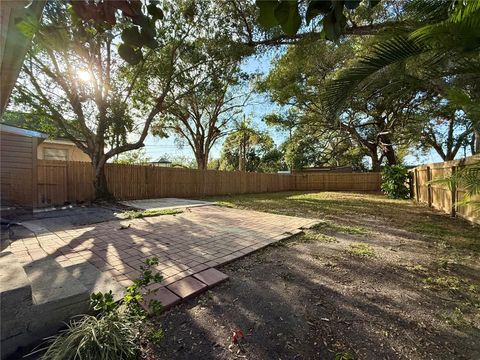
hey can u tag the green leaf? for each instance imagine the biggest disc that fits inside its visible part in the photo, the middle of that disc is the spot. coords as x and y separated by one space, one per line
28 26
129 54
140 20
149 30
131 37
266 17
287 15
352 4
148 40
155 12
317 7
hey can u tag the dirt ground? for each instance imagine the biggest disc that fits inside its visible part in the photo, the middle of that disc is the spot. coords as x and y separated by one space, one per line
377 279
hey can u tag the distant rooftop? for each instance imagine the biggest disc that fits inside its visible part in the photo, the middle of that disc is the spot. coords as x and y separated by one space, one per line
21 131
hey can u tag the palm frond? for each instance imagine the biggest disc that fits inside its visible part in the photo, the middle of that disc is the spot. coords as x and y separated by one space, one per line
428 10
461 36
395 50
466 179
447 41
467 12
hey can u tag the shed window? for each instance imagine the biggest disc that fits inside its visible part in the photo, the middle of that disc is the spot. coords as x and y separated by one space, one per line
55 154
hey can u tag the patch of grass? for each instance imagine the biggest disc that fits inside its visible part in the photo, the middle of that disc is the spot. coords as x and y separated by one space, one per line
457 287
360 249
340 228
448 233
225 204
344 356
474 289
417 268
449 282
311 204
457 318
312 236
445 262
138 214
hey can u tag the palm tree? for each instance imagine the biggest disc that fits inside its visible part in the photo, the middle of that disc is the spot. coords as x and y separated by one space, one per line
246 136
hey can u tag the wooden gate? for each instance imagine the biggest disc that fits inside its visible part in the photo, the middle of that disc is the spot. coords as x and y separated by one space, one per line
52 183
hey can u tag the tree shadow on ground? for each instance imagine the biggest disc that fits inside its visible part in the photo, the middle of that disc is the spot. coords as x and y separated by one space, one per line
293 308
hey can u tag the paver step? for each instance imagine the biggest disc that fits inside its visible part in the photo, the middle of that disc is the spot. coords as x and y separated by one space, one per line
94 280
36 300
186 288
52 283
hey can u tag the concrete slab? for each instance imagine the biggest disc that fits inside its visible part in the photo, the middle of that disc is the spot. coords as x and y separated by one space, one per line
95 281
164 203
211 277
15 287
187 287
66 217
15 298
50 282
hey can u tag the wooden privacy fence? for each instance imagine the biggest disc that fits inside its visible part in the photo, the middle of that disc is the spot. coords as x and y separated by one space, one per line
438 195
61 181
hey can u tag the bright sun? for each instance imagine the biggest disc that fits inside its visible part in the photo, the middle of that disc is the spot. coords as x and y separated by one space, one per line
84 75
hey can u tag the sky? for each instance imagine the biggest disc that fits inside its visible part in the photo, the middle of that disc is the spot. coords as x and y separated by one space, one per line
260 106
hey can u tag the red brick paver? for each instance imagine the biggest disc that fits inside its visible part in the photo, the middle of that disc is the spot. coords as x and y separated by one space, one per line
186 244
165 296
211 277
187 287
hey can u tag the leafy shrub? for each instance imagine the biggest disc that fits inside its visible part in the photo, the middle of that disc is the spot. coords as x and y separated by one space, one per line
117 331
394 182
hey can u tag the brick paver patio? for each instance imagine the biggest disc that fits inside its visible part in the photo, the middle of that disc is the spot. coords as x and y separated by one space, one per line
186 244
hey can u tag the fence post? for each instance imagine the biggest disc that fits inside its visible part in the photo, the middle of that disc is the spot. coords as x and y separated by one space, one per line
453 212
411 183
417 187
67 175
429 186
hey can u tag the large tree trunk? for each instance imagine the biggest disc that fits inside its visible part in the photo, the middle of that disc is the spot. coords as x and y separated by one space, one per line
202 161
375 162
388 150
390 155
449 156
242 156
476 132
100 182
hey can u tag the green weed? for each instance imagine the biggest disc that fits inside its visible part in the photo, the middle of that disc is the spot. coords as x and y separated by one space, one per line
345 229
449 282
457 318
312 236
417 268
344 356
360 249
138 214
